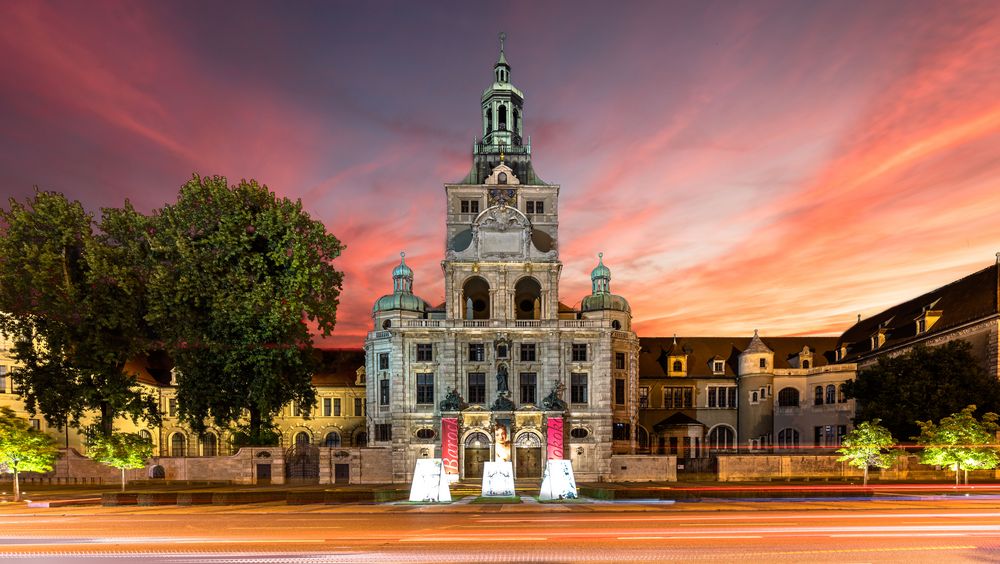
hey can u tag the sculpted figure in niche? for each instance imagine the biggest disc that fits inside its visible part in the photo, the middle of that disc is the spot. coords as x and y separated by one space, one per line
502 379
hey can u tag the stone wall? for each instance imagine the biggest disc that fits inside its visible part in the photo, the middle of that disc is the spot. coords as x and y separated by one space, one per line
643 468
366 465
240 468
769 467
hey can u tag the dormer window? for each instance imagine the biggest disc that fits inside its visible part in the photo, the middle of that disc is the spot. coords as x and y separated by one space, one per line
928 317
718 367
805 364
878 339
678 366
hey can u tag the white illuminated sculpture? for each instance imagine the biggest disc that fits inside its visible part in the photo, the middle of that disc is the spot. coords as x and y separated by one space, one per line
430 484
558 481
498 479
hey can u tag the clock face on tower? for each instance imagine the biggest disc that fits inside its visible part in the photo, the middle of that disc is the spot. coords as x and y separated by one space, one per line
501 196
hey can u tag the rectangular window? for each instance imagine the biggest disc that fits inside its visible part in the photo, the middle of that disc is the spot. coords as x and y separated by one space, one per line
718 367
172 407
620 361
383 391
501 351
336 407
527 352
296 409
3 379
579 352
36 424
383 361
732 397
383 431
477 352
326 407
841 431
678 397
425 352
578 387
621 432
643 397
722 396
713 397
528 382
425 387
359 407
818 436
535 206
763 363
619 391
470 206
477 387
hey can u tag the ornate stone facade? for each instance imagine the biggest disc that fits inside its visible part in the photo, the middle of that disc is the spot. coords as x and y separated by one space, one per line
502 369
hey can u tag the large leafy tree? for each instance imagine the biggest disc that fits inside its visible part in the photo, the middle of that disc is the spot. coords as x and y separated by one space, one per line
23 448
239 278
926 383
867 445
74 310
961 442
124 451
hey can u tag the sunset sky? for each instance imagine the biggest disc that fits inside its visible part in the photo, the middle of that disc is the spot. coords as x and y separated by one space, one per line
781 166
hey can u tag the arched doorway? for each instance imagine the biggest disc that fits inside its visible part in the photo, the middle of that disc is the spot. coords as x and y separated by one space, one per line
528 299
476 298
475 454
528 456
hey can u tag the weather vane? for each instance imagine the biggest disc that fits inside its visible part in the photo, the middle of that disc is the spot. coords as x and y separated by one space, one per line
502 37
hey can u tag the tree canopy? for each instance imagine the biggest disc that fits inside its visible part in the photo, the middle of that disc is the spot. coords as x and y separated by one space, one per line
926 383
960 441
867 445
238 278
74 310
23 448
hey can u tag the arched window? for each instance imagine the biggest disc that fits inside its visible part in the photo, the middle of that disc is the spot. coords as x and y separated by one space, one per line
842 393
754 397
502 118
489 121
177 445
805 364
818 396
788 397
146 435
209 445
678 366
788 438
502 178
528 298
476 298
642 436
332 439
302 438
831 393
722 438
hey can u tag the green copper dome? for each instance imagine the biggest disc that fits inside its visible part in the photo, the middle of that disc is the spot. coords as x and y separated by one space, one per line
599 302
407 302
402 297
600 271
602 298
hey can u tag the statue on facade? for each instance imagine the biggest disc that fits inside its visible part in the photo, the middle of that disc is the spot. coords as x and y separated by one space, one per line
503 403
503 384
452 401
553 401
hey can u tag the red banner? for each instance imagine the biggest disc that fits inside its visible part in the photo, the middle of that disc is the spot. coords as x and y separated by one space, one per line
554 448
449 444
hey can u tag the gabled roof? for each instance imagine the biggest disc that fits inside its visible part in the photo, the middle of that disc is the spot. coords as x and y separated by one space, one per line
967 299
678 419
654 353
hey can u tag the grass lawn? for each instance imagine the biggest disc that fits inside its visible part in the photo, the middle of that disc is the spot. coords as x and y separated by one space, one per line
482 499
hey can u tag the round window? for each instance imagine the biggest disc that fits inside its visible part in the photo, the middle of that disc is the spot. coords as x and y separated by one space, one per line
425 434
579 433
616 325
387 324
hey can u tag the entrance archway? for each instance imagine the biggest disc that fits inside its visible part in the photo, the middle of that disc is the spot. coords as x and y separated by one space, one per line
476 453
528 456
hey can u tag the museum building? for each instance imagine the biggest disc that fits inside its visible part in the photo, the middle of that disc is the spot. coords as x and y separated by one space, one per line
502 370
